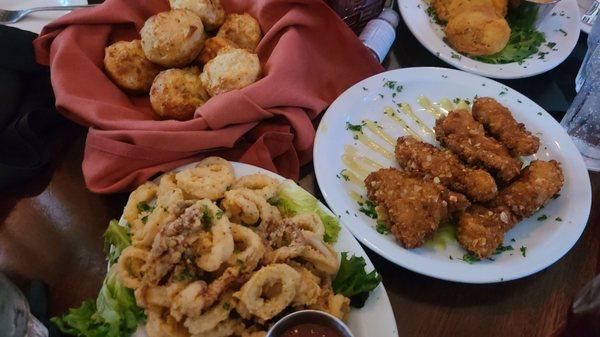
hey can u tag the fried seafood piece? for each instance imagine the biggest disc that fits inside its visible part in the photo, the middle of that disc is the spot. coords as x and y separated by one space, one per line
463 135
481 229
415 155
499 122
478 31
444 9
415 205
538 183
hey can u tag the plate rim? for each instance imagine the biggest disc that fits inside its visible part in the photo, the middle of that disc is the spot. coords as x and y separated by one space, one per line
409 21
397 73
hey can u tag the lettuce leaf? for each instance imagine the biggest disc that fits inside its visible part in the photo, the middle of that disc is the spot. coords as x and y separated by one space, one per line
524 39
293 199
118 237
353 281
115 312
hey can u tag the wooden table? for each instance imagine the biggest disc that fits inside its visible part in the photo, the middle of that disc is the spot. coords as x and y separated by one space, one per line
51 230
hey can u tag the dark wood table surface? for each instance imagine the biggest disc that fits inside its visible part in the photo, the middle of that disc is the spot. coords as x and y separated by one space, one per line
51 229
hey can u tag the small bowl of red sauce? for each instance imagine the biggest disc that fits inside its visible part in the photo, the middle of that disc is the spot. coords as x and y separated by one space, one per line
309 323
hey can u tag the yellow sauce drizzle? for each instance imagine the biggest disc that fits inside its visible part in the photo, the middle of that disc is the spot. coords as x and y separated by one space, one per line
390 112
352 165
351 151
408 111
373 146
446 105
355 196
376 129
426 103
353 177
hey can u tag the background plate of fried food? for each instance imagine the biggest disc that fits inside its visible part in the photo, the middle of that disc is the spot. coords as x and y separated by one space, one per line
218 248
503 200
503 39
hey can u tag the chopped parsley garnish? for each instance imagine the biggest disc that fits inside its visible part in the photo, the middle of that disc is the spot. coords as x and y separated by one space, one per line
344 175
144 207
381 95
354 127
513 240
226 306
551 44
382 228
523 250
145 219
456 100
184 275
542 55
539 113
470 258
502 93
558 218
450 257
562 31
364 88
219 214
556 196
368 208
273 201
502 249
206 219
433 15
542 218
455 55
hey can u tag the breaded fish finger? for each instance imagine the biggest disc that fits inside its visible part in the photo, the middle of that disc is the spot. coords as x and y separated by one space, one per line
415 206
538 183
481 229
500 123
463 135
415 155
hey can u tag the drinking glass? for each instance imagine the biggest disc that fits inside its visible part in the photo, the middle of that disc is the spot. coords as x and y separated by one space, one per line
15 318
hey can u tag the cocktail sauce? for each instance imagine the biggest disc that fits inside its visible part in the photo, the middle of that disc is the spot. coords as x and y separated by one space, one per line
311 330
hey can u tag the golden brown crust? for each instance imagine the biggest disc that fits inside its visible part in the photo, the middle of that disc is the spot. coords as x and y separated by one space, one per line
415 205
214 46
173 38
230 70
415 155
242 29
500 123
478 31
176 93
481 229
538 183
128 67
210 11
463 135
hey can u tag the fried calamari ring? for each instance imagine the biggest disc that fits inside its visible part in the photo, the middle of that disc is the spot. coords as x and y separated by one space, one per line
130 265
209 179
338 305
143 194
222 239
198 296
320 254
308 289
152 223
252 249
309 222
283 254
155 297
280 276
161 325
249 207
212 317
260 183
227 328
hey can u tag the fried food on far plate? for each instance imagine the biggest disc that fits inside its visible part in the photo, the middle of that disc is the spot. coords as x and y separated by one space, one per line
538 183
415 155
444 9
478 31
463 135
128 67
500 123
415 206
481 229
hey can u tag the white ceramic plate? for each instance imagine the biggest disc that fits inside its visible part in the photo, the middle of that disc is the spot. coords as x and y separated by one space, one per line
34 22
376 318
561 29
546 241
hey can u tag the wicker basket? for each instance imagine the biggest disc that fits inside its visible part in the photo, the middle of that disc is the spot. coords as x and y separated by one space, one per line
356 13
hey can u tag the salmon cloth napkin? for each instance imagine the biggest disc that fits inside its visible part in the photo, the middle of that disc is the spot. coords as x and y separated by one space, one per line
308 56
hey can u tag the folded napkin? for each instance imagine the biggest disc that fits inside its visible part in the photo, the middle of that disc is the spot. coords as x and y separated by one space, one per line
27 114
308 55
